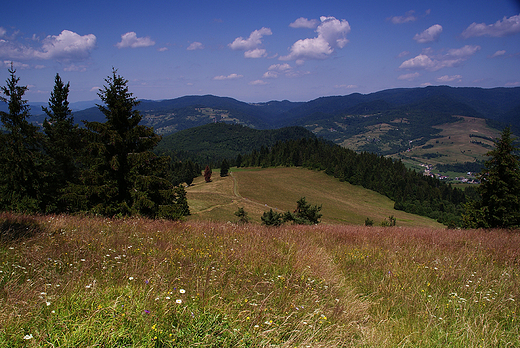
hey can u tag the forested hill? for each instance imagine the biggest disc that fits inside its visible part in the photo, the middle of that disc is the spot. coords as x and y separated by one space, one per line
411 191
214 142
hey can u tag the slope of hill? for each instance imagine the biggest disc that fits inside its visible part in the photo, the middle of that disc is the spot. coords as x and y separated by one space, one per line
258 190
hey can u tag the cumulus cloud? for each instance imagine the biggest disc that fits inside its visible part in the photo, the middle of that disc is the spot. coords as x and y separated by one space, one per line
131 40
498 53
195 46
430 61
256 53
228 77
304 23
2 32
258 83
409 17
251 44
504 27
65 47
331 35
447 78
409 77
429 35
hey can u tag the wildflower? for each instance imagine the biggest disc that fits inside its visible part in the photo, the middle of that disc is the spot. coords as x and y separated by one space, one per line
182 291
147 311
130 278
179 301
28 337
167 297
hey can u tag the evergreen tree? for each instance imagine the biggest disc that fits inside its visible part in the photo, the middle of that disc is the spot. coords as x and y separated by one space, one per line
305 213
242 216
121 175
22 183
224 168
499 205
272 218
61 143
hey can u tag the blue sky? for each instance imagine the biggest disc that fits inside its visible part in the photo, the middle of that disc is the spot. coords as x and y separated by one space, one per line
258 51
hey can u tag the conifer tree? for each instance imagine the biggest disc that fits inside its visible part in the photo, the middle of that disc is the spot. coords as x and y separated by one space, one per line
21 161
224 168
122 175
500 188
61 143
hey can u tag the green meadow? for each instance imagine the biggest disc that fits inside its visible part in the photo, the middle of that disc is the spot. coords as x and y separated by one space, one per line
97 282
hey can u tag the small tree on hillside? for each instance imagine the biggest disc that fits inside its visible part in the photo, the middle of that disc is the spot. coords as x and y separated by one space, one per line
499 188
272 218
224 168
305 213
242 216
207 174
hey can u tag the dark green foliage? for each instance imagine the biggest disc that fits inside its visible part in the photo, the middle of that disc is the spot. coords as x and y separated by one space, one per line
305 213
214 142
224 168
242 216
62 141
411 191
272 218
22 173
369 222
499 205
120 175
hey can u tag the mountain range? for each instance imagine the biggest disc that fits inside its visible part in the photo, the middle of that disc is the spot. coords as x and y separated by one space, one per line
385 122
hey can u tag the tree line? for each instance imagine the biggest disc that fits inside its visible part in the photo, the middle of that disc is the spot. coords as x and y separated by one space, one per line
106 168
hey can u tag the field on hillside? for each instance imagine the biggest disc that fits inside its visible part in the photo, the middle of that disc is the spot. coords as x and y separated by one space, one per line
258 190
85 282
459 142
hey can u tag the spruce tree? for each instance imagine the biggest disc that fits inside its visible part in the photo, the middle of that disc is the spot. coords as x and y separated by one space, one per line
21 161
224 168
122 176
499 205
61 143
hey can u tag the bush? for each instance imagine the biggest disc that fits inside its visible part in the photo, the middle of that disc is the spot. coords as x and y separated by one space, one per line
242 216
369 222
271 218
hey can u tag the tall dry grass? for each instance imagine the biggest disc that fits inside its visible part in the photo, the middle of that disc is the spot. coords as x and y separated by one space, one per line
99 282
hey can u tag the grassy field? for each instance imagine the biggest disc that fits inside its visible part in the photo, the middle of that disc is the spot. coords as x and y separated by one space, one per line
455 144
258 190
93 282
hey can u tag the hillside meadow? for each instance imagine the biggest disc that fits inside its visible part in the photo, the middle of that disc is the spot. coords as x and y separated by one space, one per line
76 281
259 189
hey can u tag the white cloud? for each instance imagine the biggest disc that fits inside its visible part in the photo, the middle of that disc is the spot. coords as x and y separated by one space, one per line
2 32
74 67
447 78
131 40
65 47
429 35
409 17
270 74
403 54
507 26
228 77
162 49
429 61
95 89
280 67
498 53
331 35
346 86
304 23
409 77
258 83
253 41
195 46
256 53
